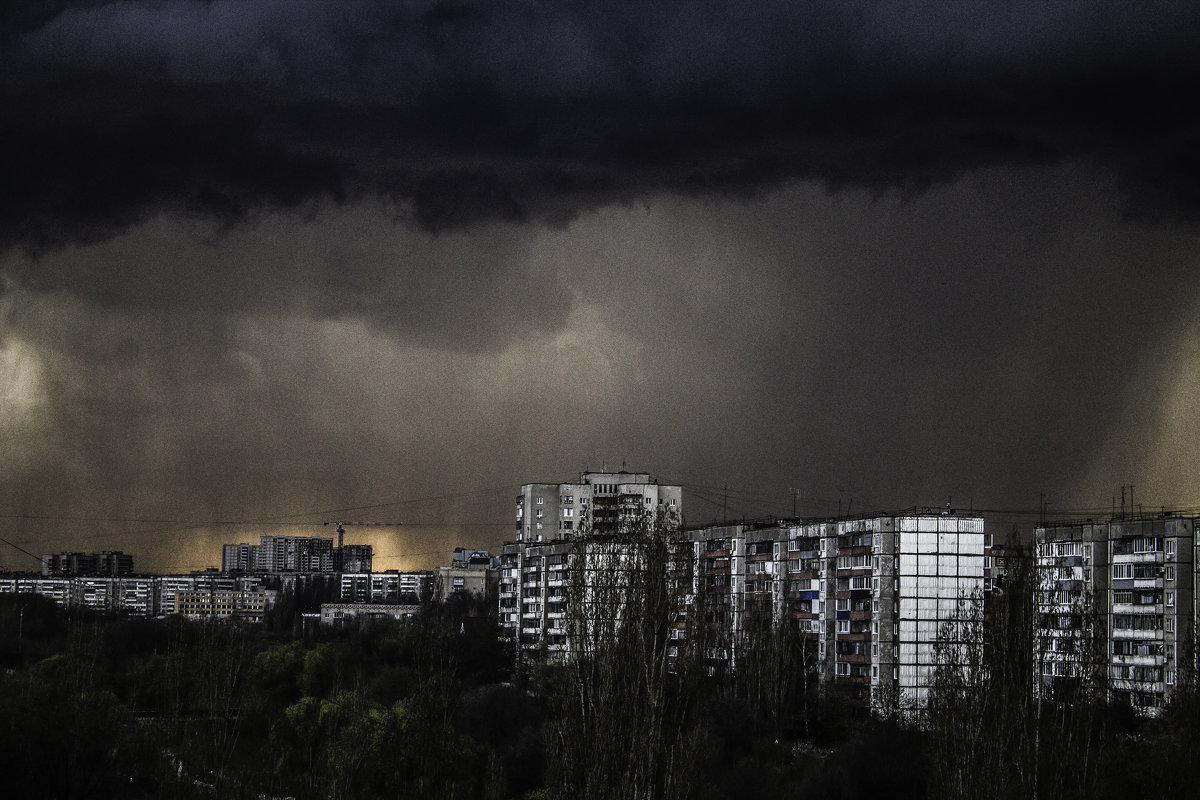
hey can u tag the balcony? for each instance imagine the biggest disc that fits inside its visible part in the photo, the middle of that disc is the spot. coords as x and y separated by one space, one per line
1138 558
1140 661
1144 635
1137 608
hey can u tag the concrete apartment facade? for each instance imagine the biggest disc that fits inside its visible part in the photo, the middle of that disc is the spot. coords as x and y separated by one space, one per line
1123 592
870 595
213 603
139 595
105 563
394 587
550 518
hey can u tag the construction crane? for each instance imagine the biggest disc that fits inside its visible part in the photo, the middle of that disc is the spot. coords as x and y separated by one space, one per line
341 528
341 533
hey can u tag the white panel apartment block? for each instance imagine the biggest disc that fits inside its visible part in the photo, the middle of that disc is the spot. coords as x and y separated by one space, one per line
1130 583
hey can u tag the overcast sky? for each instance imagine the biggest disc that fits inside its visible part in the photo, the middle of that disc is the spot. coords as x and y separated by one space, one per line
266 264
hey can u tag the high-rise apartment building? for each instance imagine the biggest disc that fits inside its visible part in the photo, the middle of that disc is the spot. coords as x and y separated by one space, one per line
239 557
355 558
294 554
871 595
107 562
550 518
1117 601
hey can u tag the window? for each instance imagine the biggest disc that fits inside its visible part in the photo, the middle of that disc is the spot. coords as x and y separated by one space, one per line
539 501
1170 598
1145 544
1122 597
1170 548
843 626
1122 571
843 604
1087 551
1170 573
1170 624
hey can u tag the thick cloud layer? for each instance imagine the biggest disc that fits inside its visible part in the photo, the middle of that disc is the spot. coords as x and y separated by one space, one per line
464 111
261 258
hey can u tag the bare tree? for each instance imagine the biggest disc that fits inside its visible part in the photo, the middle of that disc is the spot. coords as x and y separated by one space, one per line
1009 717
623 730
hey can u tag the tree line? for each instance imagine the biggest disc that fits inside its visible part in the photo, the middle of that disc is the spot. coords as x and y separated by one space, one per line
438 707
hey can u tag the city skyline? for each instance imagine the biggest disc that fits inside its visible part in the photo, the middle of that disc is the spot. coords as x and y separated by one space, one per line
269 264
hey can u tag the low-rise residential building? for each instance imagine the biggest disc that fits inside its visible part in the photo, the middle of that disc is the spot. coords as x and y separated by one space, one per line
222 604
391 587
481 582
338 613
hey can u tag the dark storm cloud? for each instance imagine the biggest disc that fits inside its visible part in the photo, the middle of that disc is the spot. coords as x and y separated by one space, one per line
264 257
518 110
